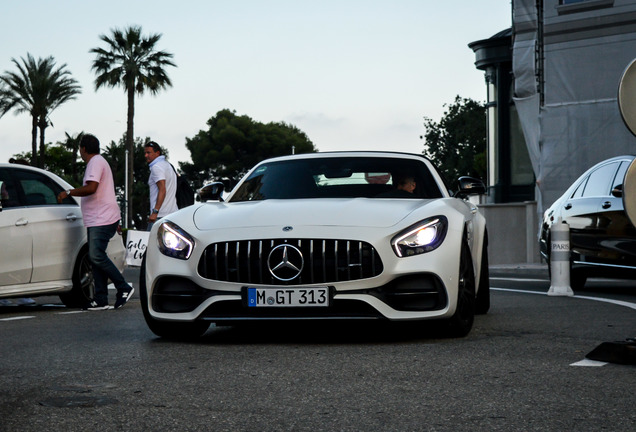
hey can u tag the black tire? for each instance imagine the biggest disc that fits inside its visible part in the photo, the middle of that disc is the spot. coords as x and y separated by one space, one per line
482 302
167 329
460 324
577 279
83 289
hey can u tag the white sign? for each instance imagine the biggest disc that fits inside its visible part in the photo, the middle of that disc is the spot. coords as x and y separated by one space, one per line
136 243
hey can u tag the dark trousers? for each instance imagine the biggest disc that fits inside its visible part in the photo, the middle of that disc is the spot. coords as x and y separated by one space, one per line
103 267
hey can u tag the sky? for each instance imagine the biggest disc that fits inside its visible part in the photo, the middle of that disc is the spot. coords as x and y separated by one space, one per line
351 74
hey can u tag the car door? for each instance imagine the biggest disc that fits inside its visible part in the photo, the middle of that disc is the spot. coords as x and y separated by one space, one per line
17 245
584 212
57 230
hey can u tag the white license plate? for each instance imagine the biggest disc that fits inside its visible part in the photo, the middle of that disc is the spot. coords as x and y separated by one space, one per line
282 297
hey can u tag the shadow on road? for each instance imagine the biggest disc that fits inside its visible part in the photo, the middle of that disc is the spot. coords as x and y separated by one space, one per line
320 333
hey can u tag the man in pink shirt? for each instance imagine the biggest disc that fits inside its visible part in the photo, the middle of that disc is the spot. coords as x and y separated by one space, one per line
101 218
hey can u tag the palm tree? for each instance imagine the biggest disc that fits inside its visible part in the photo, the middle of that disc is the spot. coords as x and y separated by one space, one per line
72 145
132 62
37 88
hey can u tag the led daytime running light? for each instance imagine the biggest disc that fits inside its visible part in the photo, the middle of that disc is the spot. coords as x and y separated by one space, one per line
174 242
421 238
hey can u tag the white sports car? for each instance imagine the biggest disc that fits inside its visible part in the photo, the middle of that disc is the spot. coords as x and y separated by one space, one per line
321 236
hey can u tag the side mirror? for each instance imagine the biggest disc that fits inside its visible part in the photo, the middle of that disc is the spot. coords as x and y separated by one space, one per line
211 192
470 186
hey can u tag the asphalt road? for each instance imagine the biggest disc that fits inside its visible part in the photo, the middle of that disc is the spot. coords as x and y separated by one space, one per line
521 368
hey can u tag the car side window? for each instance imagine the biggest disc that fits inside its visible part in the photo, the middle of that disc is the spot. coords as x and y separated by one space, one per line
38 192
598 183
620 175
8 193
578 193
33 188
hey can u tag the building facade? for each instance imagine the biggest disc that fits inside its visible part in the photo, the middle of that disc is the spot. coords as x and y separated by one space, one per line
552 88
568 59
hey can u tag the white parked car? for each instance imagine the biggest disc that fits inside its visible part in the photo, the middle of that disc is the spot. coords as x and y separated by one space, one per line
44 250
321 236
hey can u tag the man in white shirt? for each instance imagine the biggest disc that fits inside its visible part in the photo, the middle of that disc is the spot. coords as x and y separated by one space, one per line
162 182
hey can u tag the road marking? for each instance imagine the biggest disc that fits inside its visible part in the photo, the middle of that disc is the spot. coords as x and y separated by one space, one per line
518 290
616 302
589 363
600 299
16 318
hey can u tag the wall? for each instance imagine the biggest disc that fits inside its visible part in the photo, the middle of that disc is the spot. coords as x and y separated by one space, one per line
512 232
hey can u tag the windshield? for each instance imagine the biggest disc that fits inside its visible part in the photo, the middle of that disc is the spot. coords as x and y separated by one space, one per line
346 177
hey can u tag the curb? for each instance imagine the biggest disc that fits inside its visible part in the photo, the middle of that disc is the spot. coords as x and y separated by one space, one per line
533 271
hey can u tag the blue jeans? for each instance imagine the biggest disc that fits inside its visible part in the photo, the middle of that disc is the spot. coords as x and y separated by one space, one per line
103 267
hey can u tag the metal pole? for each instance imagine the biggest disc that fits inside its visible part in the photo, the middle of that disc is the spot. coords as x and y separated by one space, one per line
126 210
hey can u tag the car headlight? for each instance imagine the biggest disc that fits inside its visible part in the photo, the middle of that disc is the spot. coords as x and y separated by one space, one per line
174 242
420 238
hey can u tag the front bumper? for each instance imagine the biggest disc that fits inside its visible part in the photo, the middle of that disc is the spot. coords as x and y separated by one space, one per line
404 297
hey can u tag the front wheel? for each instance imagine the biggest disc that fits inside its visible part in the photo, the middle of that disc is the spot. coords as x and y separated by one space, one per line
167 329
460 324
482 303
83 289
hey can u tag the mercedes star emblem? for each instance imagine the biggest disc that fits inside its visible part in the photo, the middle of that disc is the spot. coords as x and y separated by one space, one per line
285 262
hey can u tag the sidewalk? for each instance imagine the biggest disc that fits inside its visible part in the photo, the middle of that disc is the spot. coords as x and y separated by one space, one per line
525 270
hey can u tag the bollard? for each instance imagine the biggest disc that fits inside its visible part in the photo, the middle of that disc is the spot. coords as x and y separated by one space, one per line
560 260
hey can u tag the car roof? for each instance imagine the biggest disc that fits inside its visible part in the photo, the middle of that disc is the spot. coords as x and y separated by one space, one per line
603 162
19 165
361 153
570 190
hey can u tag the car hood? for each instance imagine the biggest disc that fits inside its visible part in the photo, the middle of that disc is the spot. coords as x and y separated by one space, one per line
359 212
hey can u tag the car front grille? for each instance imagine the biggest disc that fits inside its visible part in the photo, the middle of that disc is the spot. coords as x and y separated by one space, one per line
323 261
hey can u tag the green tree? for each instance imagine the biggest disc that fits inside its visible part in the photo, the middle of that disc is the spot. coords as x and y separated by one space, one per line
234 144
133 62
457 144
61 161
37 88
72 144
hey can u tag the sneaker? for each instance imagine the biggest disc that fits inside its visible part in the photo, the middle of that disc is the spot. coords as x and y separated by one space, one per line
123 297
94 306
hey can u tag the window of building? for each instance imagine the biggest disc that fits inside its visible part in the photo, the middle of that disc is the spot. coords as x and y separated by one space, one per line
521 172
573 6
